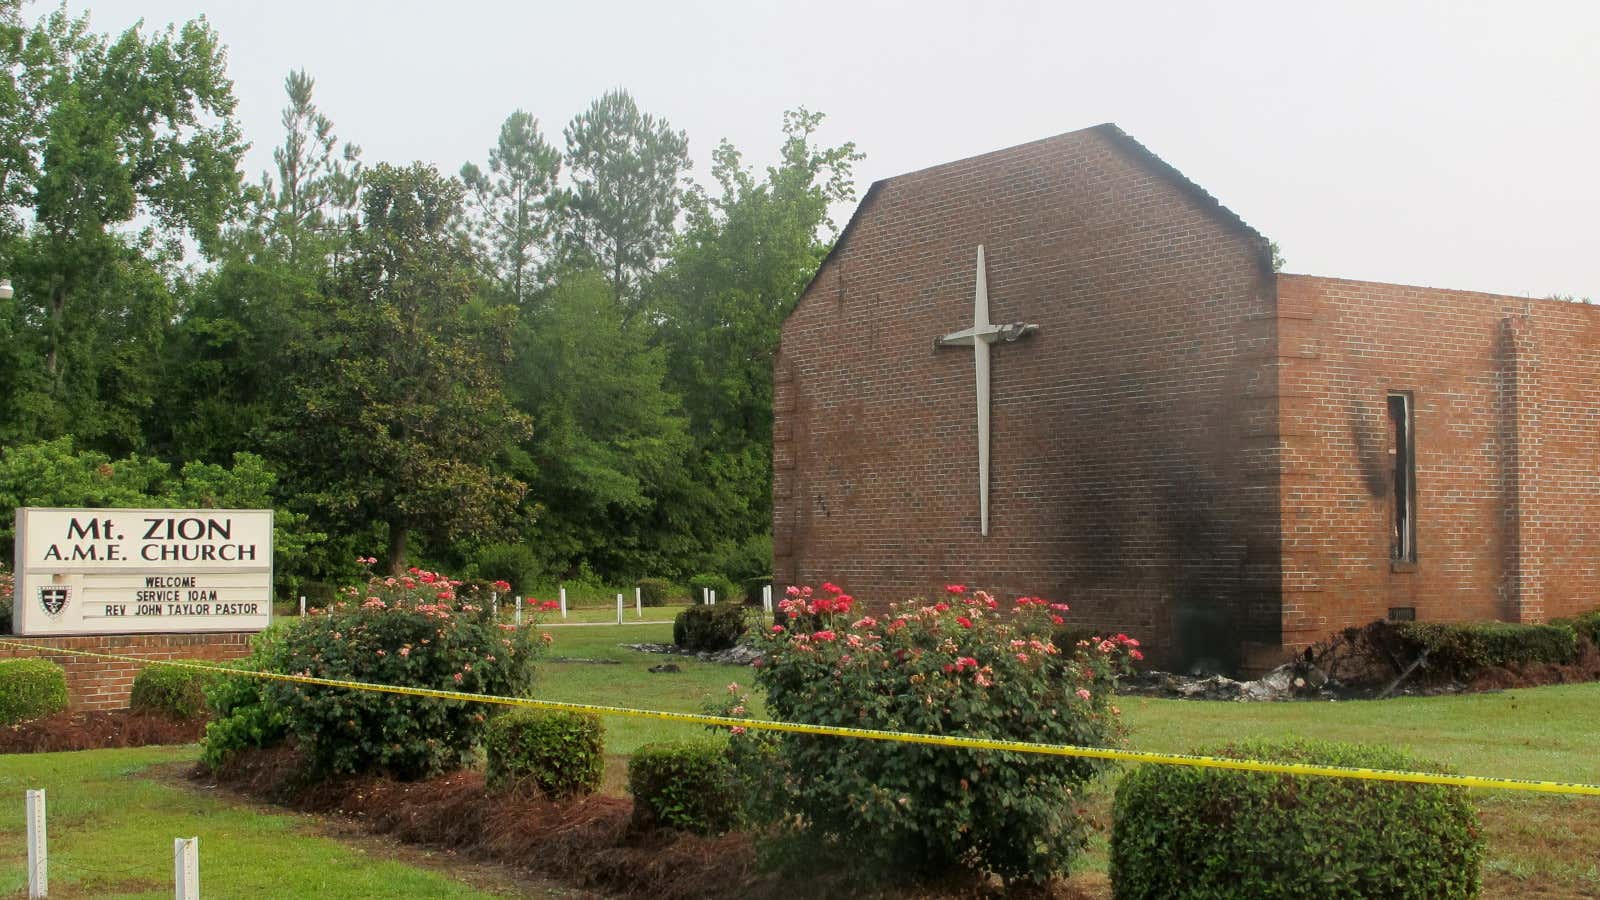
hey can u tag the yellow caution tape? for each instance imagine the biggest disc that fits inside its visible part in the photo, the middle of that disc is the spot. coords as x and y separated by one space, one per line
870 734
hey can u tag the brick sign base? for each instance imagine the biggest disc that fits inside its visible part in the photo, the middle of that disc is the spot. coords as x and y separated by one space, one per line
105 684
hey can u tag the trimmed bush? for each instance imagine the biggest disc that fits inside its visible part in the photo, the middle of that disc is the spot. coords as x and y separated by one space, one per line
654 591
709 628
174 692
725 589
1461 649
684 784
961 665
562 754
1189 833
413 633
1586 625
512 563
30 688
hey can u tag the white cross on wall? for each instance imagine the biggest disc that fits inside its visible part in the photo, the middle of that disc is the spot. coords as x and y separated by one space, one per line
979 337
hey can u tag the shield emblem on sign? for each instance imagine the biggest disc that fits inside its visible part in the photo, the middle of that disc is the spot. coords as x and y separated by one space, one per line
54 599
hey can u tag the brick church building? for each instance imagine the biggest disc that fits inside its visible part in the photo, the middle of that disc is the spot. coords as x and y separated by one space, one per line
1183 444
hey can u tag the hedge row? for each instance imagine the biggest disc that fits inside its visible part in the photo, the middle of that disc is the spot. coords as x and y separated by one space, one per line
1586 625
1197 834
1462 649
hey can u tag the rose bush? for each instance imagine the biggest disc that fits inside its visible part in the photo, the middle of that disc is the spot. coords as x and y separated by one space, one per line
410 630
960 665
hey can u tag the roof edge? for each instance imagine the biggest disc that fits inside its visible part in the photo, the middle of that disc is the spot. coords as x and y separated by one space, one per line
1111 131
839 242
1331 280
1182 182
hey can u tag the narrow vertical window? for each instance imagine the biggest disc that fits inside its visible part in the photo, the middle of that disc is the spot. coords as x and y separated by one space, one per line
1404 544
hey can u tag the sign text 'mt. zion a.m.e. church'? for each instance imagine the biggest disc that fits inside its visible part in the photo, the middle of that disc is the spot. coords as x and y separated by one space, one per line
116 571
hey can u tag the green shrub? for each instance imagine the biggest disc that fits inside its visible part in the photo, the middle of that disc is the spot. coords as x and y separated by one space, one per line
1587 625
654 591
318 594
171 691
1461 649
562 754
512 563
962 666
752 558
684 784
30 688
1181 832
753 587
242 716
709 628
715 582
412 633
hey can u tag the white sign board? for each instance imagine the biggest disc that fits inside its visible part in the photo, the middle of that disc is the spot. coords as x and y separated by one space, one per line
121 571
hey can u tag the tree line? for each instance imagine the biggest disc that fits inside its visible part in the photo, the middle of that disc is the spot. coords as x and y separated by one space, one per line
557 359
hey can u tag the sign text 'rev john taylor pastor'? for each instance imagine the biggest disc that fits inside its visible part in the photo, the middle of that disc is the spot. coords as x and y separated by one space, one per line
114 571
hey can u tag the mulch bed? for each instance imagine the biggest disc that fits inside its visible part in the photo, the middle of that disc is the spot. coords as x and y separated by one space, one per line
96 730
588 842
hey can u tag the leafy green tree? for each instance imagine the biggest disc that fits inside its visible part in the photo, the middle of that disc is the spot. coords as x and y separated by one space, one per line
17 126
744 258
317 181
239 327
100 134
240 319
54 473
515 204
608 443
401 405
627 171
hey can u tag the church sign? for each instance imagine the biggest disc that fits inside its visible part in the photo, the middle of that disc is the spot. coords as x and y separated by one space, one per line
121 571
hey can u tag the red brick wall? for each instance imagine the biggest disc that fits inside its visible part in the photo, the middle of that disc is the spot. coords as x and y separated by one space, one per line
105 684
1134 452
1507 436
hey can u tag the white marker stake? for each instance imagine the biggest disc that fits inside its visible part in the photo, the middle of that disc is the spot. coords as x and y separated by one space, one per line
705 596
494 605
519 609
638 602
713 598
38 865
563 603
619 609
186 867
766 598
302 604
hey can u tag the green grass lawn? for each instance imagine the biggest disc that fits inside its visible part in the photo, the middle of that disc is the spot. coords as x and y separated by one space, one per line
111 830
1549 733
627 681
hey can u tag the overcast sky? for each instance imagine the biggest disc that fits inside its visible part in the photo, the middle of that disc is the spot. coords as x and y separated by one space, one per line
1453 144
